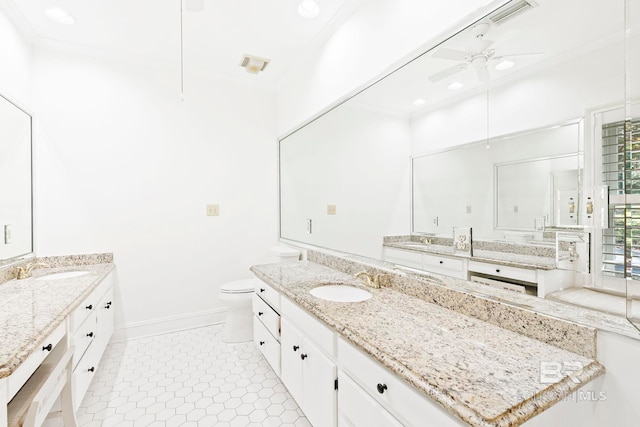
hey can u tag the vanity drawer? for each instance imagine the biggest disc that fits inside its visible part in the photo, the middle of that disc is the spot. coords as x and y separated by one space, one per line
356 408
403 257
267 344
267 293
403 401
324 337
83 373
83 337
504 271
84 310
269 318
22 373
443 262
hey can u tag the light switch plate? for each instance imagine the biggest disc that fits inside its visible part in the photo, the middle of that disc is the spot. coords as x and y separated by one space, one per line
8 234
213 210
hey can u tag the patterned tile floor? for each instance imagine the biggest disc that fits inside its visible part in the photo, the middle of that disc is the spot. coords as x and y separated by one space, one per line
187 378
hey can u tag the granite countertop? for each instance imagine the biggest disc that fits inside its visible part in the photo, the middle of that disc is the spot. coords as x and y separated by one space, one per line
474 370
31 309
495 257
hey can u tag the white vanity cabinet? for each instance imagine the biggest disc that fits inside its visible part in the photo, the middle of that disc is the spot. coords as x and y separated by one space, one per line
308 369
90 327
266 323
435 263
376 396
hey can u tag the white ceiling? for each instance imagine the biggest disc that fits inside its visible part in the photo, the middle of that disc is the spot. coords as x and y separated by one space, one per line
214 40
558 30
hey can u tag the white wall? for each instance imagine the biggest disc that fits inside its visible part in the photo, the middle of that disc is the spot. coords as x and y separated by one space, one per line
16 58
124 166
357 160
379 36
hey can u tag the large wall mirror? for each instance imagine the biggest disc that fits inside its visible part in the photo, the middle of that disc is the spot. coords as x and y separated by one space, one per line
15 182
496 128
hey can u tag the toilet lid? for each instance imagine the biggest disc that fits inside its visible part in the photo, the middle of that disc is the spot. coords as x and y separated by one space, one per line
238 286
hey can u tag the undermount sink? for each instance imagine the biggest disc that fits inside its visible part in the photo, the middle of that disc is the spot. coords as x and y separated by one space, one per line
62 275
340 293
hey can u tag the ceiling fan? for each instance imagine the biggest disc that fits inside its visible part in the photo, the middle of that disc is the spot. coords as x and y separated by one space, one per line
477 56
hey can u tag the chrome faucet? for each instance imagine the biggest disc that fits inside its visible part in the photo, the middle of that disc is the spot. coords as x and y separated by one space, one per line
371 281
24 273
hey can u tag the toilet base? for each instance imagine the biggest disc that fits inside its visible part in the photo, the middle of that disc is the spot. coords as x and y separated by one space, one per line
239 326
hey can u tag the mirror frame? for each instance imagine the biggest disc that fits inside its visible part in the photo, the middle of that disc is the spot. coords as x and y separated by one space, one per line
6 262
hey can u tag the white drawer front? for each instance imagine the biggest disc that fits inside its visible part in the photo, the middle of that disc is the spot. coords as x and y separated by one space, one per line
443 262
312 327
504 271
22 373
83 337
83 373
402 400
356 408
267 344
267 293
269 318
402 257
82 312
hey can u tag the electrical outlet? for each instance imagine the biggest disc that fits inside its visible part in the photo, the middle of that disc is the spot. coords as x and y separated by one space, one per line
8 234
331 209
309 226
213 210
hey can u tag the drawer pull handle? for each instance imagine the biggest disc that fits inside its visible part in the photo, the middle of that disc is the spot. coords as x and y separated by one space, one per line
441 262
296 347
261 342
262 289
260 313
381 388
90 334
497 270
47 347
91 369
303 356
109 303
89 307
108 306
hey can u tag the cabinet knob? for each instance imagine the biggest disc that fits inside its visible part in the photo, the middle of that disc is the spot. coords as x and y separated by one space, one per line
441 262
107 306
296 347
261 342
89 307
47 347
262 289
90 334
109 303
497 270
381 388
91 369
303 356
260 313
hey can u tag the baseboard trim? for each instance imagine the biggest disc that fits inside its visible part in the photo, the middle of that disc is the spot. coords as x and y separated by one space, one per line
168 324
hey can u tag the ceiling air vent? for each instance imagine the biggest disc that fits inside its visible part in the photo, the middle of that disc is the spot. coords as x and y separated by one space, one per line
253 64
510 10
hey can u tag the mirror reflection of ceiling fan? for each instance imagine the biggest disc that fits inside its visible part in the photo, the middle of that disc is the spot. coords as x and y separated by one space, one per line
478 56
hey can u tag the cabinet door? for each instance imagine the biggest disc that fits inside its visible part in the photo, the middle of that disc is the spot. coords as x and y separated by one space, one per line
320 398
105 319
291 345
357 408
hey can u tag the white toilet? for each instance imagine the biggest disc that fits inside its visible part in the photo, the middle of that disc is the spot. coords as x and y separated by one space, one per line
237 296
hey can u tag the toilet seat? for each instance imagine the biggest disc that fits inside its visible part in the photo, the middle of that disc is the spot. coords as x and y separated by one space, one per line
238 287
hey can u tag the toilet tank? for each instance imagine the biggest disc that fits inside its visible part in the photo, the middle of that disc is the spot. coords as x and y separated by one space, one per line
278 254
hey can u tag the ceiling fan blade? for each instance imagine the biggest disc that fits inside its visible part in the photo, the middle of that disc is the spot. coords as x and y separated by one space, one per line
452 54
194 5
447 72
483 74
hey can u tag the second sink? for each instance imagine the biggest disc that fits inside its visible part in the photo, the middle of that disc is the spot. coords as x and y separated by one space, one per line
340 293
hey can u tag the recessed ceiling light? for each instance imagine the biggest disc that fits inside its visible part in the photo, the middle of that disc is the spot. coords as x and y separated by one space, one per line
308 9
418 102
60 15
504 65
454 86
